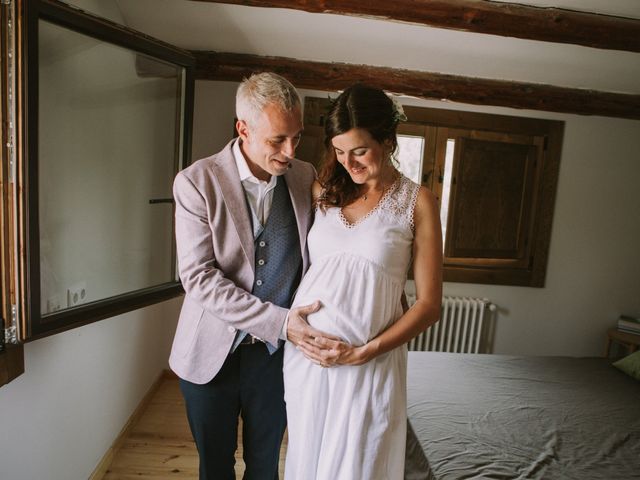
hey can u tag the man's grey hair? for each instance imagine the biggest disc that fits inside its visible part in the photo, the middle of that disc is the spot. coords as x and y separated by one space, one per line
261 89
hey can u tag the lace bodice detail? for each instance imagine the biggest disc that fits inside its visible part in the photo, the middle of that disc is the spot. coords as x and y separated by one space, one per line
383 237
400 201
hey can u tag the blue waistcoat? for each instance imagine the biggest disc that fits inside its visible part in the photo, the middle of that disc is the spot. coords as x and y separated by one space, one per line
278 261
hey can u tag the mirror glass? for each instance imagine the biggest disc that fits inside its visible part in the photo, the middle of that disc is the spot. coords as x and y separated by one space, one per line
108 149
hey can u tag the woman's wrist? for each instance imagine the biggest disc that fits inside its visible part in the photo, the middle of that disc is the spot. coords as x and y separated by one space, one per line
370 350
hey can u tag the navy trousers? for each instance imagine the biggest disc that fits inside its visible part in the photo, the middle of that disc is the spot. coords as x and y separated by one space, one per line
249 385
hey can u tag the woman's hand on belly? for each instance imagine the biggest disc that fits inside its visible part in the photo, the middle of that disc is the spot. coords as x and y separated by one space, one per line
355 355
339 354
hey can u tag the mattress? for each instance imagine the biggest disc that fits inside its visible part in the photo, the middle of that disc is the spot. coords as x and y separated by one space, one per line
509 417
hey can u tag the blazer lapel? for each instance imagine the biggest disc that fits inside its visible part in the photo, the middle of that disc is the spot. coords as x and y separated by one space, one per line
226 172
301 200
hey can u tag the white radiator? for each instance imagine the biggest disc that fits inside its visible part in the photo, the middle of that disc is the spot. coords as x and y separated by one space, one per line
460 328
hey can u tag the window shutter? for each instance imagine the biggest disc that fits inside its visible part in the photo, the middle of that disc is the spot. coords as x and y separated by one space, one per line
492 208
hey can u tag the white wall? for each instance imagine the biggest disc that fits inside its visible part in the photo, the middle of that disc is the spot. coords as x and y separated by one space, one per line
213 114
594 264
79 388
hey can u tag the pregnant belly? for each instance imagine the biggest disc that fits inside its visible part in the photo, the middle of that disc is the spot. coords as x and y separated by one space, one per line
331 320
358 299
354 320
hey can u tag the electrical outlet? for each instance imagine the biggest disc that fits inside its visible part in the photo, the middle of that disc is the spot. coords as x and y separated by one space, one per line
54 303
76 294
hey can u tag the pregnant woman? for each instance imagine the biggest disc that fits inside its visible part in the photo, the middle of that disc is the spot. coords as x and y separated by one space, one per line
347 420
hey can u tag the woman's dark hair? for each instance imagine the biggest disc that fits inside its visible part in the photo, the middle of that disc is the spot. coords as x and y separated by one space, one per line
359 106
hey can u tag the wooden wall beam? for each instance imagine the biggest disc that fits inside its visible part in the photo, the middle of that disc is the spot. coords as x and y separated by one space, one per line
477 91
482 16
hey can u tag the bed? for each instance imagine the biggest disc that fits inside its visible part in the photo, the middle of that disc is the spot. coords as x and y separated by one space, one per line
510 417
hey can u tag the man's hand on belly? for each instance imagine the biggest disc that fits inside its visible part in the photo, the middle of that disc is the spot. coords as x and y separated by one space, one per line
317 346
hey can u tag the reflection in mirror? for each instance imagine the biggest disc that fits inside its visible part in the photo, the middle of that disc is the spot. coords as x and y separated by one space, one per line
109 143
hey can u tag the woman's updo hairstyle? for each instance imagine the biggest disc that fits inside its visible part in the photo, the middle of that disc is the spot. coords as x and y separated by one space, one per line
359 106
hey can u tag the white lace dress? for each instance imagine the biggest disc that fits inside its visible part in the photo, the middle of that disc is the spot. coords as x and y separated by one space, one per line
349 422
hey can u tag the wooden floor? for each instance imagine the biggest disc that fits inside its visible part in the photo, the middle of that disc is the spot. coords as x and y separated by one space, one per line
159 445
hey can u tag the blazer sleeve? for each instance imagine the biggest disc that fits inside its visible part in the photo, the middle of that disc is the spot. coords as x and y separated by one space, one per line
206 284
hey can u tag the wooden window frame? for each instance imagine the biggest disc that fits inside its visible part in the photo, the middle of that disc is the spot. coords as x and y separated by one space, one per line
11 355
30 321
532 270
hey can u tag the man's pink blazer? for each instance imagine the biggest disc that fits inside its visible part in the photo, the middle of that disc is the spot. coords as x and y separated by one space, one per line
216 262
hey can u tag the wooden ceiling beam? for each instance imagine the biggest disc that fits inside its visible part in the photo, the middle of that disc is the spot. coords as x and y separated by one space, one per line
478 91
482 16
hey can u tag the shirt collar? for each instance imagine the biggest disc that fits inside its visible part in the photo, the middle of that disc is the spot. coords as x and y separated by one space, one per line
243 167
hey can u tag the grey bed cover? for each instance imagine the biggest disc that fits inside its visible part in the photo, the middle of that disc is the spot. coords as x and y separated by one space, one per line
510 417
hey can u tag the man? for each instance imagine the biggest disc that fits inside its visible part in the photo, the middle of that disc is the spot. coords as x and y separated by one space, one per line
242 217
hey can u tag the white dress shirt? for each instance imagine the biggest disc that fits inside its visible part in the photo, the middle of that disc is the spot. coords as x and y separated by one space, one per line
259 195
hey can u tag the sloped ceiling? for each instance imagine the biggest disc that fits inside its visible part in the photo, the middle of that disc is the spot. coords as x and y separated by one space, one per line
336 38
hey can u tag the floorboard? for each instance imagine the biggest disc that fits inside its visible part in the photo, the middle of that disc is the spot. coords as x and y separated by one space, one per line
159 446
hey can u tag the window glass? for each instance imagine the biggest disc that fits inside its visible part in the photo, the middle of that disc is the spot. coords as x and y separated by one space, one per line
446 186
409 156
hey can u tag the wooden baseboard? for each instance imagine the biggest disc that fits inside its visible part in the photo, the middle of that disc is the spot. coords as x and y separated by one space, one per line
170 374
11 363
101 469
